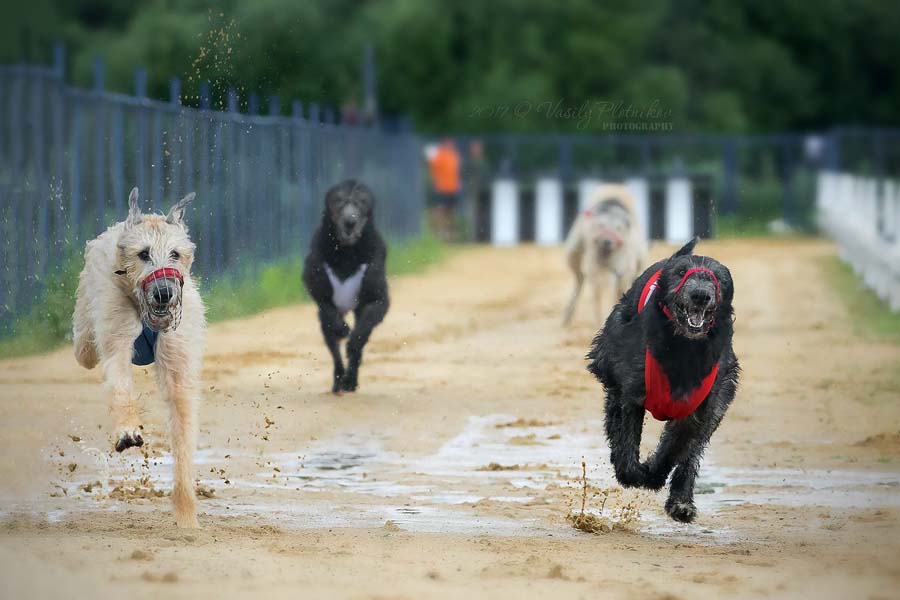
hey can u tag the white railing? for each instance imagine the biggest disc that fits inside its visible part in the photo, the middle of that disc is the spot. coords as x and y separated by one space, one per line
863 215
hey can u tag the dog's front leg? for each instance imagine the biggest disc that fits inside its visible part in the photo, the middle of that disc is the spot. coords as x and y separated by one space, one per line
116 363
573 299
334 328
367 317
179 389
680 504
624 425
603 282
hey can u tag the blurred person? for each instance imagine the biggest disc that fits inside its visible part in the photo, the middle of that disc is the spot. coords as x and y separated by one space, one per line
443 166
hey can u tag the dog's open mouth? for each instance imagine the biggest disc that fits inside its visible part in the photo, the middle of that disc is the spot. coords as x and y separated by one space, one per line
695 322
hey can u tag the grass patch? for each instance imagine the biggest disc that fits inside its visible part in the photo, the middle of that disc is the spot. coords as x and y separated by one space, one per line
244 292
732 226
48 323
870 315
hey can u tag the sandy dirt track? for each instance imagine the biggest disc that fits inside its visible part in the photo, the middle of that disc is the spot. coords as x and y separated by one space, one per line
450 473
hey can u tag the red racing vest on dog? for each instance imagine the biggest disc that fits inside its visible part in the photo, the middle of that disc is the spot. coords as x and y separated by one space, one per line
658 399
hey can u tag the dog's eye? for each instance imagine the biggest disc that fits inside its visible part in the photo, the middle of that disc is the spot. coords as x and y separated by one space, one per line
174 255
144 255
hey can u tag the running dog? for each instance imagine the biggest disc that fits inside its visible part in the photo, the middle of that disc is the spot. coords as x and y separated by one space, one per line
666 349
344 271
137 304
605 244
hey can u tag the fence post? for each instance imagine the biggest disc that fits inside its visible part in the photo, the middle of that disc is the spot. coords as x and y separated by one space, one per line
99 139
505 212
548 211
59 60
679 210
140 90
729 177
174 140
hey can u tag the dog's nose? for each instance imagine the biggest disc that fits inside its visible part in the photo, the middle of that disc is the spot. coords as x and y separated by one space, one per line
607 245
700 297
162 294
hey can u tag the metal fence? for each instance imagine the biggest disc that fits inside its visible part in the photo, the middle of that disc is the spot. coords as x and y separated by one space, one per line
69 156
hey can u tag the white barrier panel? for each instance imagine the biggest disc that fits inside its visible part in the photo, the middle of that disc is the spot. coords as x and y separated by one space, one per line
586 189
679 211
850 210
548 212
641 191
504 213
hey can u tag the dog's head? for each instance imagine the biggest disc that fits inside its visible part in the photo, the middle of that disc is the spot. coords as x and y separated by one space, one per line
348 207
698 291
154 256
609 227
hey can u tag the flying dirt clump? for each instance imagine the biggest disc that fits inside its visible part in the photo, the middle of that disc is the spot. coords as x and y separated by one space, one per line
588 522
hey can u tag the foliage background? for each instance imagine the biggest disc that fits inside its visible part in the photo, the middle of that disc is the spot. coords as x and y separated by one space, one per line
717 65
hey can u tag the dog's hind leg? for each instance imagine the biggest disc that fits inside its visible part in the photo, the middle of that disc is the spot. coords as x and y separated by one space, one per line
675 443
116 364
178 388
367 317
624 424
83 332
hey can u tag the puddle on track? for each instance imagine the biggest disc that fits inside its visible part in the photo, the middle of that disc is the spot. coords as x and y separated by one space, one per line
441 492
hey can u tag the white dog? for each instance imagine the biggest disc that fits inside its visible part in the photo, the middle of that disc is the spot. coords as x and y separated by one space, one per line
605 244
137 304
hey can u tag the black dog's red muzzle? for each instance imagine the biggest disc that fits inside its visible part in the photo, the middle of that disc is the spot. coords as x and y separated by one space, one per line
162 274
653 283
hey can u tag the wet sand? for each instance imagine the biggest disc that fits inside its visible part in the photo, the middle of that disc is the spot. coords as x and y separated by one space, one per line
453 469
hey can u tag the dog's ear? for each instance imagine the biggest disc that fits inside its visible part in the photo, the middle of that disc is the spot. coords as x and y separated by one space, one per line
176 213
134 211
688 248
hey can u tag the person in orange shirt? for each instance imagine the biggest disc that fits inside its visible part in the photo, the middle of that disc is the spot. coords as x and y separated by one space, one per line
444 167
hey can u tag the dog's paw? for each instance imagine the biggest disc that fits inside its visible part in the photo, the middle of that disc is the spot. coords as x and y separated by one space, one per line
633 477
127 439
349 383
655 481
681 511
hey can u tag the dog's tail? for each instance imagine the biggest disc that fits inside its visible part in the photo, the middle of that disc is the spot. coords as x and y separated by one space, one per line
687 248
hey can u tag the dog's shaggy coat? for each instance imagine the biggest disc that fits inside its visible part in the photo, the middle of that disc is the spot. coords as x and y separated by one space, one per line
686 325
114 306
345 271
606 246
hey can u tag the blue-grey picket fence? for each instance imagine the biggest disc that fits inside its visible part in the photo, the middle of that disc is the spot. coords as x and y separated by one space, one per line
69 156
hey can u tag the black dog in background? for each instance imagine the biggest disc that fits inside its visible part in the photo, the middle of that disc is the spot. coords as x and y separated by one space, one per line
344 271
666 348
